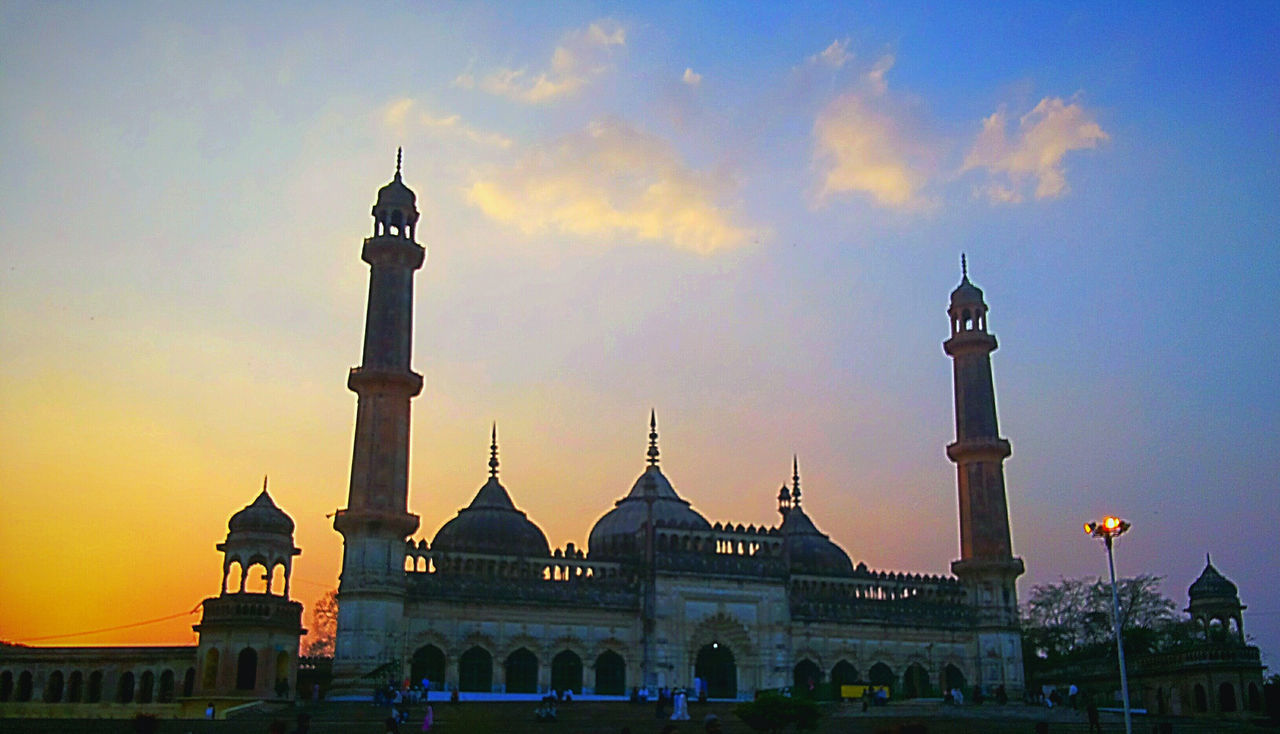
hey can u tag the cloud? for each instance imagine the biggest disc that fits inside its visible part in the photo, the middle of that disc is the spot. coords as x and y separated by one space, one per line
611 181
863 143
835 55
400 115
1043 137
691 77
582 56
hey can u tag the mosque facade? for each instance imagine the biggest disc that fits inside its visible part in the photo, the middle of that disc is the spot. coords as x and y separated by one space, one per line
661 596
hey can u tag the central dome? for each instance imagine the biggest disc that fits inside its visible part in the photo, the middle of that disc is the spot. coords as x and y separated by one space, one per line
492 524
616 531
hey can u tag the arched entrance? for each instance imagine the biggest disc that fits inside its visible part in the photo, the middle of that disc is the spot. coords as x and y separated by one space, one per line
124 689
146 686
716 666
475 671
952 677
611 674
53 687
881 675
843 674
915 682
805 677
522 672
428 663
210 678
247 669
566 672
1202 699
166 687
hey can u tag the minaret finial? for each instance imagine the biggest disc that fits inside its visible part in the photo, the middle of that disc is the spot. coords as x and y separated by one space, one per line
493 452
1207 562
264 488
795 479
653 437
964 263
399 154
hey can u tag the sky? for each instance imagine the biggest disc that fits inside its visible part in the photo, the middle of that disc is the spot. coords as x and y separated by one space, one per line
745 216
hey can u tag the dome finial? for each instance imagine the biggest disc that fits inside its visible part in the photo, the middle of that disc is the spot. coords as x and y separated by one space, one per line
964 263
493 452
653 437
399 154
264 483
795 479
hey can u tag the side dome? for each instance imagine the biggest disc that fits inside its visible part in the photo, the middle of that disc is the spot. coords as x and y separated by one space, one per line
615 533
261 516
492 524
1212 585
809 550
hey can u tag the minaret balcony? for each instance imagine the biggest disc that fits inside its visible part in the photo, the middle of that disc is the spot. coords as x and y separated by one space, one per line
252 610
392 250
363 380
969 449
373 521
968 342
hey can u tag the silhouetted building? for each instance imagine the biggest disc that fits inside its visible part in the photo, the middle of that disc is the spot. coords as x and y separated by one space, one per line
661 595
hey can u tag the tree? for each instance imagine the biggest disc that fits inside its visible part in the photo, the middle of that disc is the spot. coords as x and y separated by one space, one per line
324 626
1074 615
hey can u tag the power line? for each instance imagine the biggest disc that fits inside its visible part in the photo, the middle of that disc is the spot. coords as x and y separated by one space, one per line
111 629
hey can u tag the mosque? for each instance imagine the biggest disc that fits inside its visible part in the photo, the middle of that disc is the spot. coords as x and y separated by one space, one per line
660 597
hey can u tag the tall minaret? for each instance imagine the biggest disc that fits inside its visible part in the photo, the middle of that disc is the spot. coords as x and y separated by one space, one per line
987 566
376 522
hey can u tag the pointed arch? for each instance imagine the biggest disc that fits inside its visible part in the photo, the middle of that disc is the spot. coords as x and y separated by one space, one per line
611 674
521 671
475 670
566 672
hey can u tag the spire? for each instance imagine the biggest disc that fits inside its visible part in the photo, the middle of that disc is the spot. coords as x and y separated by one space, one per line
493 452
653 437
1207 562
399 154
964 264
795 480
264 491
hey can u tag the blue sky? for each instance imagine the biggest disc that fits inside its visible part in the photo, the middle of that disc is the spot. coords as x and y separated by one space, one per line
747 216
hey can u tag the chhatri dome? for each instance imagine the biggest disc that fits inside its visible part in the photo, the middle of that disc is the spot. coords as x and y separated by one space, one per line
966 294
808 549
491 523
261 516
616 532
396 211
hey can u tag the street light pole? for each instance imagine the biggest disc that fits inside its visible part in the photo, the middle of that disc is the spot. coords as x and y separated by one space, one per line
1108 529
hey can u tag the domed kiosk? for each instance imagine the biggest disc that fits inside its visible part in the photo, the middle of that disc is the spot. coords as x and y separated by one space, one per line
248 647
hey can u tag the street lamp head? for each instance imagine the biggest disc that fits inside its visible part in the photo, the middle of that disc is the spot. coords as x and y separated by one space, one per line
1106 528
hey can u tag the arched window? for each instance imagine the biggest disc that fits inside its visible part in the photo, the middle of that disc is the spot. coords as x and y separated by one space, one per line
522 672
53 687
247 670
209 680
166 687
277 579
234 578
1226 698
189 682
428 664
953 678
24 686
282 674
566 672
1202 699
124 689
255 578
611 674
75 687
146 686
94 694
805 678
915 682
6 685
843 674
475 670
